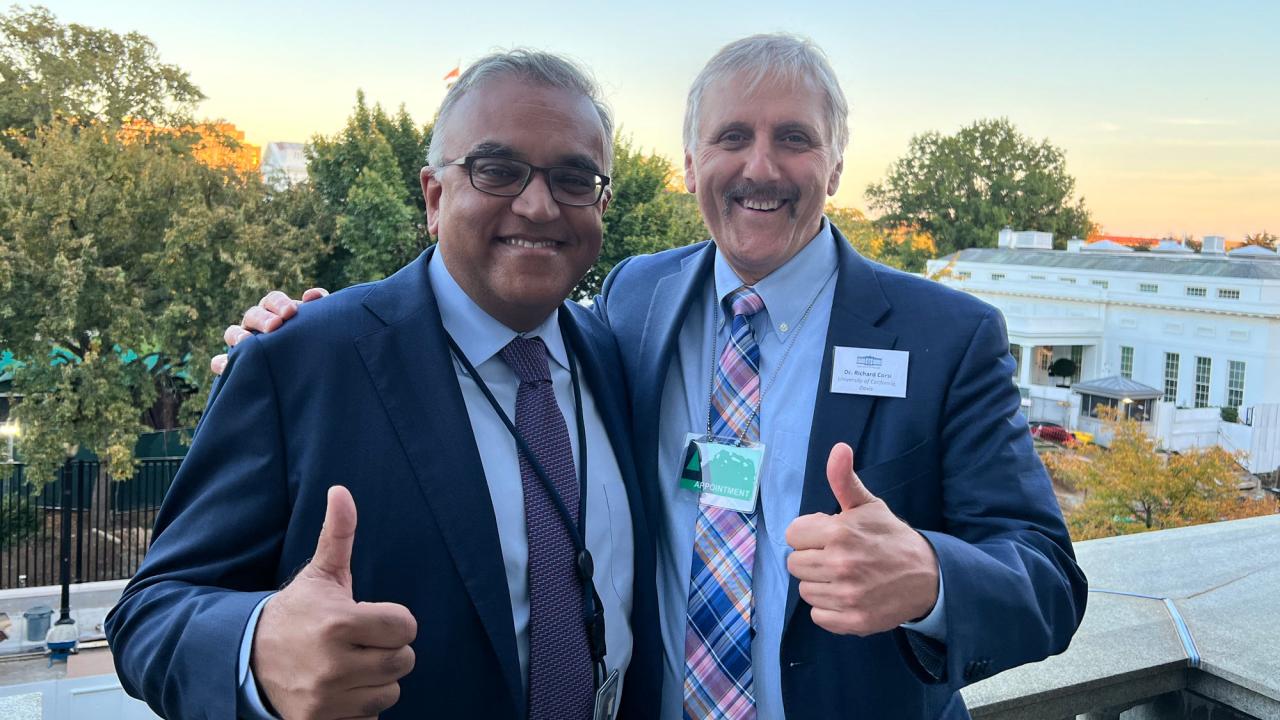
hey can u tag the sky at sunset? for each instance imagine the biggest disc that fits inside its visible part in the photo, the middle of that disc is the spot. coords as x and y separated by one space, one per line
1169 112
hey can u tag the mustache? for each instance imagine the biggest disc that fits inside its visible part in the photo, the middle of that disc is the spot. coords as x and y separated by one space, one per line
768 192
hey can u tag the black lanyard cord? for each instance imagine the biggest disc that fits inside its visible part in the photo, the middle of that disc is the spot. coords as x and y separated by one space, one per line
593 608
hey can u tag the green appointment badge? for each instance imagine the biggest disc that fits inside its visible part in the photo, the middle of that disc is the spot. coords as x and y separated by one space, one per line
724 472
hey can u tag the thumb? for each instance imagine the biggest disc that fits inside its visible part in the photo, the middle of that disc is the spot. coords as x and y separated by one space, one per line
848 489
333 549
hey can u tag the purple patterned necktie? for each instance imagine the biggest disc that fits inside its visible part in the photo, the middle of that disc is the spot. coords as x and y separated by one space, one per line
561 682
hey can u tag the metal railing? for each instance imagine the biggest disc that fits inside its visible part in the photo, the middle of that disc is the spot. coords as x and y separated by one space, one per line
110 521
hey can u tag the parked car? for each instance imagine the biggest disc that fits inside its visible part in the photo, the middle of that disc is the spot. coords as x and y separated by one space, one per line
1051 432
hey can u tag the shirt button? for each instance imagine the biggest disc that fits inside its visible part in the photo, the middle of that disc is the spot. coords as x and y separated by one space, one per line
784 327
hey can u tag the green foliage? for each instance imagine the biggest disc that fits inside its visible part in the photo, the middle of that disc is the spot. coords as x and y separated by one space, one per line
376 226
644 216
369 205
18 520
112 246
1063 368
52 71
962 189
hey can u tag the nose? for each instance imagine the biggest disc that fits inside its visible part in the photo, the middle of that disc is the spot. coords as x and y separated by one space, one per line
761 164
535 203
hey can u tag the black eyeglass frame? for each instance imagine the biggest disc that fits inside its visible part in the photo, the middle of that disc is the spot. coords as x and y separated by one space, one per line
468 162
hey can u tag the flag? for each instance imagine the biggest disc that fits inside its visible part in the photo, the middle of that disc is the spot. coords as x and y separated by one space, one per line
452 75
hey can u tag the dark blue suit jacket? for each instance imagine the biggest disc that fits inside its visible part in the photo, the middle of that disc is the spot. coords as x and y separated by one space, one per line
359 390
953 459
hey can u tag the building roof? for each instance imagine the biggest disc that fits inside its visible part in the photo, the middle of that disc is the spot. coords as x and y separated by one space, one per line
1254 251
1198 265
1116 387
1172 246
1106 246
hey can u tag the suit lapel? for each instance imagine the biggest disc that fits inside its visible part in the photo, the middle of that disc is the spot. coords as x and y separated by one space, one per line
668 308
410 366
856 308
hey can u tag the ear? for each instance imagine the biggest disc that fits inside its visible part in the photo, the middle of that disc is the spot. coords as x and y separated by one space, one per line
604 200
833 182
690 177
431 191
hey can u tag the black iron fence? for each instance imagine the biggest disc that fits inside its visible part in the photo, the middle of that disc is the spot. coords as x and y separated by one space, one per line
110 521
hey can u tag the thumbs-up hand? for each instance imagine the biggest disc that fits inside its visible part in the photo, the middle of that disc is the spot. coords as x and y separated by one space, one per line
863 571
319 654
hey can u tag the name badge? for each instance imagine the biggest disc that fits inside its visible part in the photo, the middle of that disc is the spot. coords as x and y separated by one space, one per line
607 699
869 371
723 471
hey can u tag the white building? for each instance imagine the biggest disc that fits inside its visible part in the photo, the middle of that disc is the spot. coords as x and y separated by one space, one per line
1203 329
284 163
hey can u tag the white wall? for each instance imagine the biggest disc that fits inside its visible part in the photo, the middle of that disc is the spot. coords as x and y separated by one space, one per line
96 697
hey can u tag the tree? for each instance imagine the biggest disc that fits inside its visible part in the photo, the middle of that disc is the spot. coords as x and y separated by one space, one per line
1132 487
901 248
372 215
962 189
49 70
644 216
115 250
1261 239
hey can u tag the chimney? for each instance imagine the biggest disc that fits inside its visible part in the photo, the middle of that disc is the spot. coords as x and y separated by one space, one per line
1032 240
1005 240
1074 244
1213 245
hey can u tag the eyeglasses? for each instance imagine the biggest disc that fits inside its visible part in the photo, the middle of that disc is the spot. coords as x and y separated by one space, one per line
506 177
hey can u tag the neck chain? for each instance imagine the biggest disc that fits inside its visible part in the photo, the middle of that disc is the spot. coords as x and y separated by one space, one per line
715 355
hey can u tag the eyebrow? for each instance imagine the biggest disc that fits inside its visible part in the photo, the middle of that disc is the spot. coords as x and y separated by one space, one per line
805 128
496 149
731 125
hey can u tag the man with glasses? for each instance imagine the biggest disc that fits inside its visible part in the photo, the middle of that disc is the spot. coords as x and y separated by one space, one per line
827 592
473 419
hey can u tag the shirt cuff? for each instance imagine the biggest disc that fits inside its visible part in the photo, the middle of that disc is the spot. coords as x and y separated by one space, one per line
250 703
933 625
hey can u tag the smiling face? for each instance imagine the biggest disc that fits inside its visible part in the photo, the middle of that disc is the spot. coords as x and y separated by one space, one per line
762 168
517 257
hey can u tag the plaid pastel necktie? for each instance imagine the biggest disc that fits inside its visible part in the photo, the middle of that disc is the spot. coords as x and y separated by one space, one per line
717 645
561 685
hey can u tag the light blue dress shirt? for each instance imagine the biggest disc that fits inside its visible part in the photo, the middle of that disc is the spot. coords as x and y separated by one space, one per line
791 347
608 513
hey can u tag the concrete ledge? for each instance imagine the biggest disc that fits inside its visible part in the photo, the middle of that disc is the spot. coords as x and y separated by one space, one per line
1223 578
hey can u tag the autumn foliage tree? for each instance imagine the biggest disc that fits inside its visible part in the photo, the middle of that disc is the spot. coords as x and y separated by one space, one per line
1132 487
903 248
1261 239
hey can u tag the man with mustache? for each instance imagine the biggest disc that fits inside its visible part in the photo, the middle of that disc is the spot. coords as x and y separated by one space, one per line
895 537
473 418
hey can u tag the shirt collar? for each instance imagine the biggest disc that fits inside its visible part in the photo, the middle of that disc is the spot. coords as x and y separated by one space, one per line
790 290
478 334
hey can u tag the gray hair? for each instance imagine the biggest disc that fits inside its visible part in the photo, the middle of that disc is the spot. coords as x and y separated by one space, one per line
775 55
536 66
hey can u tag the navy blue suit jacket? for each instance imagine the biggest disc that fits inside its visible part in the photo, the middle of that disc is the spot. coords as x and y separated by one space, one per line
953 459
358 390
